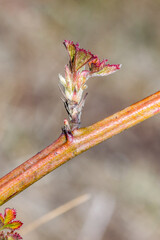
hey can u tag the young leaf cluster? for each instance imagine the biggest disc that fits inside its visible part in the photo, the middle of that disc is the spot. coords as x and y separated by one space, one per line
8 222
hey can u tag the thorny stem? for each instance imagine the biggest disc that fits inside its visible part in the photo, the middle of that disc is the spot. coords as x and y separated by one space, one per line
69 145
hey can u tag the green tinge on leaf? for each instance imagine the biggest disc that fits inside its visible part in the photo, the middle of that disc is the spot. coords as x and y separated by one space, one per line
82 57
9 215
107 70
78 56
71 48
14 225
76 76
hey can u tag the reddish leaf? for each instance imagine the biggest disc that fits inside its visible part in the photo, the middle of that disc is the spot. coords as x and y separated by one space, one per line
108 69
82 57
78 56
14 225
14 236
71 48
98 68
95 65
9 215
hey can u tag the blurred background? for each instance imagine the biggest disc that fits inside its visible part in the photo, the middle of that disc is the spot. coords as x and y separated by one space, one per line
121 174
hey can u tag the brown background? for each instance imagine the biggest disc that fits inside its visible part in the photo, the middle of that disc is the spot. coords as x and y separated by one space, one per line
121 174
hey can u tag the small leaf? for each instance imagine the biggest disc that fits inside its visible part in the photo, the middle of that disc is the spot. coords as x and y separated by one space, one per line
82 57
98 68
78 56
9 215
108 69
71 48
14 225
14 236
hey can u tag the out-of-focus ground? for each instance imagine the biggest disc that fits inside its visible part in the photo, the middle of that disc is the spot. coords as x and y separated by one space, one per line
122 174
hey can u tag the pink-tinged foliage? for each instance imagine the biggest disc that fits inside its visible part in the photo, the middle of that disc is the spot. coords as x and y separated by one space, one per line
14 225
7 222
82 57
10 236
71 47
14 236
78 56
82 66
9 215
98 68
75 73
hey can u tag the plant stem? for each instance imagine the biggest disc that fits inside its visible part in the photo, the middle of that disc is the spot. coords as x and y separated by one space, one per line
63 149
17 171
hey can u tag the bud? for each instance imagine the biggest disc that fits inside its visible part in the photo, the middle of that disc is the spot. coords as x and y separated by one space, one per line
76 75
